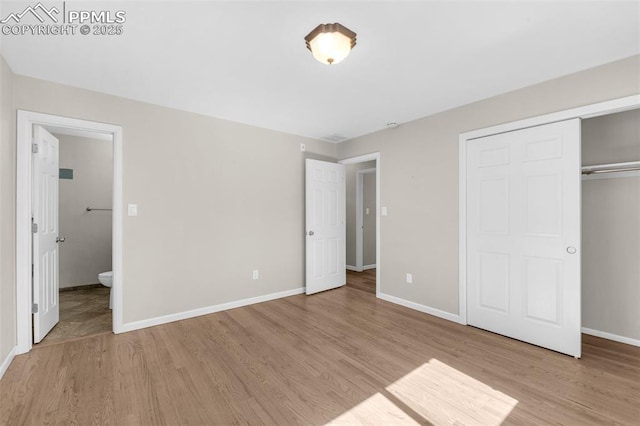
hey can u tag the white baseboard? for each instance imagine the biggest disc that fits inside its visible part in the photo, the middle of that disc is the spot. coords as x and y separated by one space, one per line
7 361
364 268
137 325
422 308
611 336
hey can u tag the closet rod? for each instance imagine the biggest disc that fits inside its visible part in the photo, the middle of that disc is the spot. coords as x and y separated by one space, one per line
611 168
90 209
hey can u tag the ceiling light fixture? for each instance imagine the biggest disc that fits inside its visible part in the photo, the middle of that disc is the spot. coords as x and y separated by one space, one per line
330 43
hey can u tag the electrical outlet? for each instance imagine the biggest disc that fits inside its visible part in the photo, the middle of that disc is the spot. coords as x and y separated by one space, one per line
256 274
409 278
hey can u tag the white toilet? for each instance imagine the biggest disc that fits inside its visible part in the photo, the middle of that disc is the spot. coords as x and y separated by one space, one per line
106 279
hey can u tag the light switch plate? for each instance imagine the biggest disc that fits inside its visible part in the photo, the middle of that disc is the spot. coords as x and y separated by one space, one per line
383 211
132 210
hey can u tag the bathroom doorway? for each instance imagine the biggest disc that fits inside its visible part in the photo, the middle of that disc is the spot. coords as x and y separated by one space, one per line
85 234
46 261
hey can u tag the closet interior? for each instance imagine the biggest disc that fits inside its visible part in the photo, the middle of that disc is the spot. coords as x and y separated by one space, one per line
611 226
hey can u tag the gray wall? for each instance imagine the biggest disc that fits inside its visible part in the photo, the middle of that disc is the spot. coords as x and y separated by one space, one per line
369 222
611 227
87 249
7 212
350 179
195 240
419 176
613 138
216 199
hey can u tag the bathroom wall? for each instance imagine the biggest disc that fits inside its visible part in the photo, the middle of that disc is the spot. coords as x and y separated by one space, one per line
87 249
611 227
7 212
350 179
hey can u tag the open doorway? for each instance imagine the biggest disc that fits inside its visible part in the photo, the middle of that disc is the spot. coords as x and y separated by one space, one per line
362 213
610 226
82 250
39 239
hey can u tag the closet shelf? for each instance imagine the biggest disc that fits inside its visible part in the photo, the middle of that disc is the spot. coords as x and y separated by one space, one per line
611 168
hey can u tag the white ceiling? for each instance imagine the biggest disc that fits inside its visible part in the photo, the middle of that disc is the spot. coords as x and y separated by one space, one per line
247 61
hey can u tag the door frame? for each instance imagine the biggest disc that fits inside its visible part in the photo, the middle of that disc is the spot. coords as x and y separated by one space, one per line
588 111
360 266
25 122
362 159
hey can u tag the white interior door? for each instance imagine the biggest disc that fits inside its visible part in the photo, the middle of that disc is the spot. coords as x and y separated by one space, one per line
325 226
523 241
45 236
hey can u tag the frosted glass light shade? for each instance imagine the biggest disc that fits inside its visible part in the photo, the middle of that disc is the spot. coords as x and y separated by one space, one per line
330 43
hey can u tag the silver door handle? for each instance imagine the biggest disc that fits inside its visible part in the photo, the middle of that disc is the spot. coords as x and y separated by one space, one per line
571 250
60 240
310 232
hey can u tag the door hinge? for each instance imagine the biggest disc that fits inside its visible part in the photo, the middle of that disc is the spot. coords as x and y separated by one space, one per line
34 228
34 148
34 308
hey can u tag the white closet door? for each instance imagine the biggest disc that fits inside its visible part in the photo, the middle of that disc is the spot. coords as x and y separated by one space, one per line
523 245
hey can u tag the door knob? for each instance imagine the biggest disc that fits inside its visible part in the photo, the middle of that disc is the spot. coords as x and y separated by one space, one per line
310 232
60 240
571 250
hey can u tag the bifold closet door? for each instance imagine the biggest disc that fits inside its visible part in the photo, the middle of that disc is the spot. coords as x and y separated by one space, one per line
523 235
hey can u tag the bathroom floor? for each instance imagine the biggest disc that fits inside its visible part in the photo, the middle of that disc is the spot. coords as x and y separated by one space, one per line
83 313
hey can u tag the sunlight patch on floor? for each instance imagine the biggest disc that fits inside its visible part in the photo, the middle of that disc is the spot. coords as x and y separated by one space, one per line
443 395
375 410
433 393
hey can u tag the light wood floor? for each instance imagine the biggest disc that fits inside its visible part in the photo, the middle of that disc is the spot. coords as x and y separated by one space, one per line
83 312
365 280
341 356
